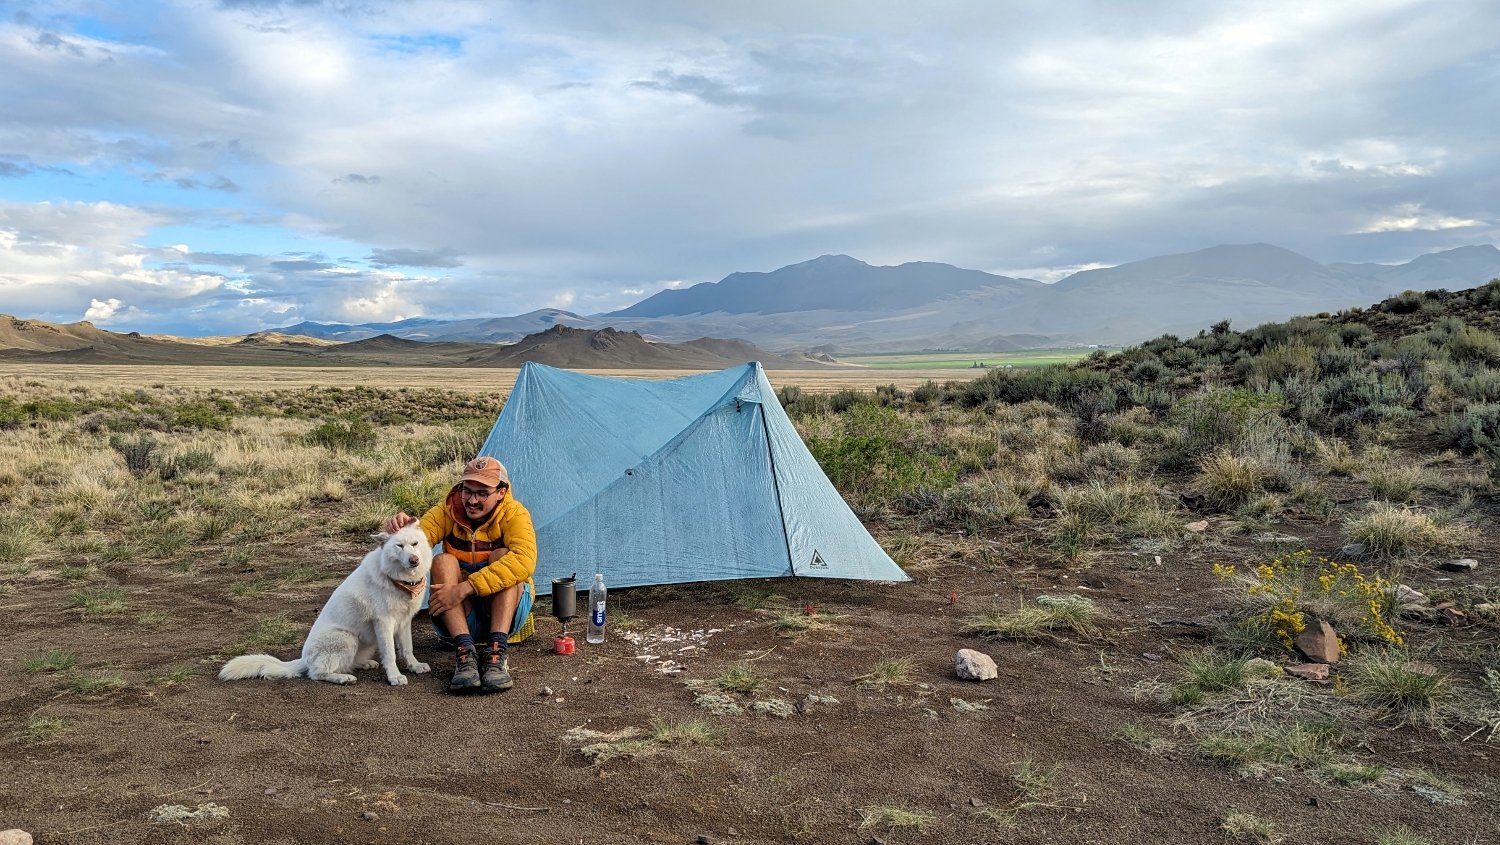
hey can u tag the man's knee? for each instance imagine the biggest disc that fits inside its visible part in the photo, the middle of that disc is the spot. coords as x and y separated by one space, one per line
445 569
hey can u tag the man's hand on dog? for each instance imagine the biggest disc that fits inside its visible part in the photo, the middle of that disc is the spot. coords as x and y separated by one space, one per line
397 522
445 597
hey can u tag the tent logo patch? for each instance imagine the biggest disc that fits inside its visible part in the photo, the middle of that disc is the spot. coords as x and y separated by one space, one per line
817 561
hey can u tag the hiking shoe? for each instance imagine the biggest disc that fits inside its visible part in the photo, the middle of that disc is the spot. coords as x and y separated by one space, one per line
496 672
465 673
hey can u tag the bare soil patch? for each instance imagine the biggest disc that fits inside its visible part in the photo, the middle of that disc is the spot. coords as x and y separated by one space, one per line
300 761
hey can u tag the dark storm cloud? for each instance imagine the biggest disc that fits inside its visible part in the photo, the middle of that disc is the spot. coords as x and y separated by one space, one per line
415 258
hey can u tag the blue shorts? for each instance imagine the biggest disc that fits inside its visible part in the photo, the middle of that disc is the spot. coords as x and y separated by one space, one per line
479 617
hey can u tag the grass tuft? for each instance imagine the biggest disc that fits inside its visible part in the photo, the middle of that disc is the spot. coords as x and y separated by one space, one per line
52 661
896 818
1029 622
1412 693
42 729
99 601
99 683
740 678
1254 828
887 673
683 732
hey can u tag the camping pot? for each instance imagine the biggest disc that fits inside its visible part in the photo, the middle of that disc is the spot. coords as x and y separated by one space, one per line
565 597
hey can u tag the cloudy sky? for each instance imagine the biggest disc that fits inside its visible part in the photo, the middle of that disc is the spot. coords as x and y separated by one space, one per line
210 167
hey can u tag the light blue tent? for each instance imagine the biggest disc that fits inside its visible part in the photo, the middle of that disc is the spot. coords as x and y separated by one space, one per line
698 478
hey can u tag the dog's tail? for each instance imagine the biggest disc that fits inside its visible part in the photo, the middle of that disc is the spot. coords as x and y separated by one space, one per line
261 666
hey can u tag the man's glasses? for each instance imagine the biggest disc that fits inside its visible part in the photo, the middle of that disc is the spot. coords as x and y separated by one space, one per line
477 495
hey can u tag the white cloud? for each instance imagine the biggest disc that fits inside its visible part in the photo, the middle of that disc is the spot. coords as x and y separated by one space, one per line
585 152
1414 218
102 311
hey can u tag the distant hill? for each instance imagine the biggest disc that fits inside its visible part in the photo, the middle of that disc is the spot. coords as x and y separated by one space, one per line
838 304
560 346
479 329
830 282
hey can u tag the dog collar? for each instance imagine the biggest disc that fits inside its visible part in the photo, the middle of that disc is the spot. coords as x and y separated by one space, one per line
413 587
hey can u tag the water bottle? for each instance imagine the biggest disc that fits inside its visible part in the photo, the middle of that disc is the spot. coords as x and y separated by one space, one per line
596 610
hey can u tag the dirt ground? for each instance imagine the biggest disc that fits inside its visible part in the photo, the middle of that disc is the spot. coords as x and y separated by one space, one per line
297 761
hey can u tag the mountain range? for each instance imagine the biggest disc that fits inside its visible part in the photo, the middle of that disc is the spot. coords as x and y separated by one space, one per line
839 304
560 346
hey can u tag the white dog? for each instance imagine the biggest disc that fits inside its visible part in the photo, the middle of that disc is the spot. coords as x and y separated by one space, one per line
370 612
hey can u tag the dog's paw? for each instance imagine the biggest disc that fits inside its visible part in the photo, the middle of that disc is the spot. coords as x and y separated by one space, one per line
418 668
397 680
372 663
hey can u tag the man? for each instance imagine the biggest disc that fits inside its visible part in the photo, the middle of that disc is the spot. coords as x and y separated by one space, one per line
481 582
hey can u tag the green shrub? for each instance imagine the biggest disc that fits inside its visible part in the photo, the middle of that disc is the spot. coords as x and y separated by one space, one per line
1477 345
346 434
878 454
199 415
12 415
137 452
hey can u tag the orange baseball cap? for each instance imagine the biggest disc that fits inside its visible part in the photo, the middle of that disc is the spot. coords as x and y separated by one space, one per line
487 471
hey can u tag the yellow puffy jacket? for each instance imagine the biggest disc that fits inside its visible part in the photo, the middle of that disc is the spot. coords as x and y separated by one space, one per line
509 525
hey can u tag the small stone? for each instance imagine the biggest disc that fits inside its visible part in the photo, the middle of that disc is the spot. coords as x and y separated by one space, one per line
1197 527
1463 564
559 700
1407 596
544 692
976 802
1426 669
1307 671
15 836
370 815
732 832
703 840
270 790
971 665
1353 550
567 800
1319 643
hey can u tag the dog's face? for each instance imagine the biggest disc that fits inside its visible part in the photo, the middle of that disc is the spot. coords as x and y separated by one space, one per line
406 554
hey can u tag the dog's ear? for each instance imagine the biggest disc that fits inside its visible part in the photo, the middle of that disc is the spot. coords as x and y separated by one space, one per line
380 537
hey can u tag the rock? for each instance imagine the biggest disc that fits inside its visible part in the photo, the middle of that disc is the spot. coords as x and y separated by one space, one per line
1318 643
1353 550
1041 506
1259 667
370 816
976 802
1197 527
1463 564
1454 616
1407 596
703 839
1426 669
1193 500
1307 671
15 836
544 692
270 790
971 665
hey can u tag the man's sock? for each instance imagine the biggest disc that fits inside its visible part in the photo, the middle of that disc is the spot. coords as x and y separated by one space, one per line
464 642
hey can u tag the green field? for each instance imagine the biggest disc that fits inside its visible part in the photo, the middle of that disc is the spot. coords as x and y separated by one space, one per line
960 360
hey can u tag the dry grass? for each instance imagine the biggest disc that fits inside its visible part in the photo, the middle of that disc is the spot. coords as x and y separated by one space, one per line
1392 532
